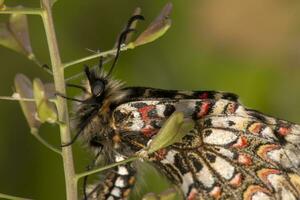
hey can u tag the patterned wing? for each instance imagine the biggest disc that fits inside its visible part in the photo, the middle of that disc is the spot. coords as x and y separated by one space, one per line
232 153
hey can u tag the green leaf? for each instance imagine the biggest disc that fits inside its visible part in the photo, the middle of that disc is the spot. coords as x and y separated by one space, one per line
18 26
40 110
173 130
8 40
46 110
14 35
156 29
24 89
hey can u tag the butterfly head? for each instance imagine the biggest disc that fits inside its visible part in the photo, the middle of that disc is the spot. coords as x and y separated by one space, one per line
96 83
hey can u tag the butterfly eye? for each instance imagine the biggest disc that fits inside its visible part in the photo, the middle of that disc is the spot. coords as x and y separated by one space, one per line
98 88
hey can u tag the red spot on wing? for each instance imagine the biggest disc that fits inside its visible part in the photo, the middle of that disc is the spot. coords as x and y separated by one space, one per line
236 181
241 142
204 109
231 108
193 195
149 131
216 192
252 189
264 173
265 149
144 111
255 128
284 131
245 159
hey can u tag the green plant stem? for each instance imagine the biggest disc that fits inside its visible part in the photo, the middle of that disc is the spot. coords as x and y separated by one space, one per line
6 196
26 11
10 98
96 55
46 144
16 99
100 169
61 104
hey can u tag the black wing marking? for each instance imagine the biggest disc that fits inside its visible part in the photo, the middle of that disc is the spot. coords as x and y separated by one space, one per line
146 93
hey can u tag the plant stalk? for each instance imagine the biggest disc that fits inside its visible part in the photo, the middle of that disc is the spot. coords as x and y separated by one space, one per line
46 144
58 74
25 11
6 196
96 55
9 98
100 169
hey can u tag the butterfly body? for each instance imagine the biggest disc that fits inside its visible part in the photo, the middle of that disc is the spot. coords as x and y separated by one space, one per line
231 153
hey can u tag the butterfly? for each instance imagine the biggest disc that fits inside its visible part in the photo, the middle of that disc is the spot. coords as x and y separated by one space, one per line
232 152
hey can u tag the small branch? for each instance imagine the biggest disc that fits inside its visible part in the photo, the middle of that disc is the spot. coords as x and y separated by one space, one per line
10 98
10 197
100 169
46 144
26 11
16 99
37 62
96 55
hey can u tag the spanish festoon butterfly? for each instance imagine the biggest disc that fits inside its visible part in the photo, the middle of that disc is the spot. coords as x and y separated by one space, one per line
231 153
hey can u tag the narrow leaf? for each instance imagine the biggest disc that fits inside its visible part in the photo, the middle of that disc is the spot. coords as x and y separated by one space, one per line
24 89
157 28
172 131
14 35
18 26
46 111
8 40
186 126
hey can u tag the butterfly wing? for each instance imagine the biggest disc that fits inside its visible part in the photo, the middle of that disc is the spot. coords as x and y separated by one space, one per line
232 152
114 185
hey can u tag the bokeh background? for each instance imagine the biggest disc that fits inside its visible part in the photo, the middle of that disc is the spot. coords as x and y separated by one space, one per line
249 47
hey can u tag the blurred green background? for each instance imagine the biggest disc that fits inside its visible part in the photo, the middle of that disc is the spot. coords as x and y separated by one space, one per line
250 47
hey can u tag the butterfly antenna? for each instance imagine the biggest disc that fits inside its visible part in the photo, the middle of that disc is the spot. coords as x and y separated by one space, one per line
88 73
134 18
100 64
122 39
